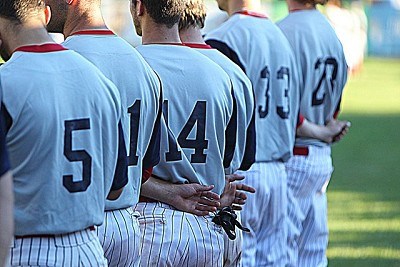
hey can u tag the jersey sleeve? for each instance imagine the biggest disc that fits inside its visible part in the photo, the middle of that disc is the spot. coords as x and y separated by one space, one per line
4 162
152 156
227 51
250 151
121 170
230 134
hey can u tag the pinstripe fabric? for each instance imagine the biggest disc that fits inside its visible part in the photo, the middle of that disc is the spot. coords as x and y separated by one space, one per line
308 177
119 236
77 249
174 238
265 215
233 248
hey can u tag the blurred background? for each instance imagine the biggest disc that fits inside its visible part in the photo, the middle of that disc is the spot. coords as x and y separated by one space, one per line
364 193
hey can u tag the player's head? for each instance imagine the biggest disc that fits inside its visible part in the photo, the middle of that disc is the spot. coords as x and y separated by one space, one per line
16 14
223 5
194 15
311 2
59 10
164 12
81 9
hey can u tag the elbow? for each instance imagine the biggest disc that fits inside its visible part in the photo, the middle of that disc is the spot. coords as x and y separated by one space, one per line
115 194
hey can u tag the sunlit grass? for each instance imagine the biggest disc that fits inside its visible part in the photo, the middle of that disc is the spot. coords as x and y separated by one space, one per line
364 193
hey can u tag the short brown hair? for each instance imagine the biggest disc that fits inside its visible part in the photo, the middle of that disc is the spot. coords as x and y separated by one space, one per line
20 10
166 12
312 2
194 14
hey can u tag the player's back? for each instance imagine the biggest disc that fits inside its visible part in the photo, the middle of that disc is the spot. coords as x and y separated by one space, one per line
321 61
244 95
62 118
262 51
197 108
139 88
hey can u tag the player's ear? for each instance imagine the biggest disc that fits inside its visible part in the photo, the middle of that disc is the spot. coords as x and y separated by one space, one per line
139 7
47 15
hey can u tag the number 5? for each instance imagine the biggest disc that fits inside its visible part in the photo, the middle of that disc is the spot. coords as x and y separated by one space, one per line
77 155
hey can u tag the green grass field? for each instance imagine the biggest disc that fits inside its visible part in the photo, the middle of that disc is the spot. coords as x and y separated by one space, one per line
364 193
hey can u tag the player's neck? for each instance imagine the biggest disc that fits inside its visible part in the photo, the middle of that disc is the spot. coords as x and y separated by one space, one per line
236 6
296 6
191 35
154 33
80 21
27 35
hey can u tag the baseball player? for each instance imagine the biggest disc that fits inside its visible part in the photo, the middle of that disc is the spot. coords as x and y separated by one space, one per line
6 198
198 113
256 45
64 138
323 69
139 88
190 25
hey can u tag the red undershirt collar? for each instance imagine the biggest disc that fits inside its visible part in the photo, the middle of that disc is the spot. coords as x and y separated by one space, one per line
94 32
44 48
252 14
197 45
179 44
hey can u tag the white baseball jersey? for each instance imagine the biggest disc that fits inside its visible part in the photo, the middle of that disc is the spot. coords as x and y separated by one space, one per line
63 137
245 146
323 65
139 88
262 51
323 69
253 42
197 108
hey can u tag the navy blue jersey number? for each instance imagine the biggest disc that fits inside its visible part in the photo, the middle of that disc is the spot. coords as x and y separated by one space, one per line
77 155
282 74
134 111
199 143
328 64
263 111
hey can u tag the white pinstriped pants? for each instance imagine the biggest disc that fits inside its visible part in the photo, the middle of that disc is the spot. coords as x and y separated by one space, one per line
77 249
233 248
120 236
174 238
308 177
265 215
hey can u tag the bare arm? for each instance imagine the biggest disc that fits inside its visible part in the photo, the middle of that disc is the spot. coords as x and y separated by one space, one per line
193 198
334 131
6 215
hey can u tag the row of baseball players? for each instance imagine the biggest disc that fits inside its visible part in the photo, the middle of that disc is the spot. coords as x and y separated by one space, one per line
82 134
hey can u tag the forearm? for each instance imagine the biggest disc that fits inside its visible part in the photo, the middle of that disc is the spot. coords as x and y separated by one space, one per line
158 190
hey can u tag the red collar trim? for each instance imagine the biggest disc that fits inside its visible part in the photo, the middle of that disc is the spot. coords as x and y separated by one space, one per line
179 44
196 45
252 14
94 32
44 48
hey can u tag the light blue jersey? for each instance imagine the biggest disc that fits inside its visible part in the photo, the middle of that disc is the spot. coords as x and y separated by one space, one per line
245 146
197 108
62 119
321 59
262 51
139 88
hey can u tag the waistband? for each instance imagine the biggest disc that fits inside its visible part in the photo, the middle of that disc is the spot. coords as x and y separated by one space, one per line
301 151
90 228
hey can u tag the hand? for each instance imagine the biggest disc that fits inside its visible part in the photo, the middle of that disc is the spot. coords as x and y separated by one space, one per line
235 193
194 198
337 130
